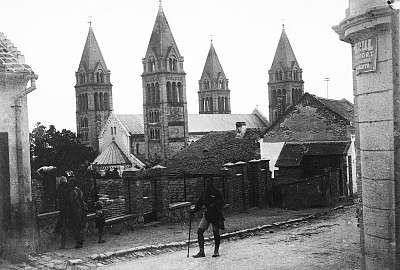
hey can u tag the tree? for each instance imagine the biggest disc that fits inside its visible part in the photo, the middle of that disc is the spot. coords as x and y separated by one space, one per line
50 147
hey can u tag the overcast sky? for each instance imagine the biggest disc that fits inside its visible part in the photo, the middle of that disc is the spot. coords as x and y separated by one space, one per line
51 34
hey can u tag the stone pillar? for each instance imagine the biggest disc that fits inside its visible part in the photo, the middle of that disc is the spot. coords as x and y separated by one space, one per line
18 231
371 27
241 173
134 183
161 205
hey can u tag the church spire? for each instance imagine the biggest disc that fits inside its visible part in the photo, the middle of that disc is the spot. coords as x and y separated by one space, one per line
284 55
212 68
161 40
91 55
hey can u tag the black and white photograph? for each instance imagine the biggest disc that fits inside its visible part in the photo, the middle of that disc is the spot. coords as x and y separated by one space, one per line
200 134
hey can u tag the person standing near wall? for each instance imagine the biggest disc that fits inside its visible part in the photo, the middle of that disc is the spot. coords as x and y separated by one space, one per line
213 201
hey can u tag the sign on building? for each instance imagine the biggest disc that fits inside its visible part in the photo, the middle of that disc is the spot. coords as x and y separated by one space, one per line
365 55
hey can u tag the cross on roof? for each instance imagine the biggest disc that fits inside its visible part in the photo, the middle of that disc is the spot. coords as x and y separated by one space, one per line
160 3
212 38
90 21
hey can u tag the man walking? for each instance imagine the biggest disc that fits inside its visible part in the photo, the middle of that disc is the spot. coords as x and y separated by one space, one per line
213 202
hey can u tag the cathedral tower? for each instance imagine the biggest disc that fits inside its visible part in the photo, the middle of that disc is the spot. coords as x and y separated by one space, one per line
285 86
164 94
93 92
214 93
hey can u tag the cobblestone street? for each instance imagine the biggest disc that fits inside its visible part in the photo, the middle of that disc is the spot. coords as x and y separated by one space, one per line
331 242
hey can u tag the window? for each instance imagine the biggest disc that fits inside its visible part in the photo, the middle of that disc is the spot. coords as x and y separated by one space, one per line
148 95
174 93
157 99
112 131
101 101
169 93
137 149
106 103
115 130
96 101
154 134
180 93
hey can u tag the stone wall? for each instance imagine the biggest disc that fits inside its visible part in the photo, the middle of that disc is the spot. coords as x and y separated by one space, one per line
154 191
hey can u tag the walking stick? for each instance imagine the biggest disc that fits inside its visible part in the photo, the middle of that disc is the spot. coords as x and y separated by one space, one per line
190 229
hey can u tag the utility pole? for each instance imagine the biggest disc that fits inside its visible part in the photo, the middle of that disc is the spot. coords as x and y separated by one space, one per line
327 79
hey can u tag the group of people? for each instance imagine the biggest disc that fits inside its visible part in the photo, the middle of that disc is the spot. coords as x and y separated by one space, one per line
73 214
73 210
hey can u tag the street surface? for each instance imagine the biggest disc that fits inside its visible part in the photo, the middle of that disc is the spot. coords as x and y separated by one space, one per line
330 242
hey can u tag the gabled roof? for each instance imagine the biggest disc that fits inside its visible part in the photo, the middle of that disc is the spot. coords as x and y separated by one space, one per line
11 60
112 156
133 123
342 107
212 68
293 152
311 119
91 55
161 39
208 154
284 55
198 123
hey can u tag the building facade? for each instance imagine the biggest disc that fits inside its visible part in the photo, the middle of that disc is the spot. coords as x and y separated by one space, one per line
164 94
285 85
214 93
93 91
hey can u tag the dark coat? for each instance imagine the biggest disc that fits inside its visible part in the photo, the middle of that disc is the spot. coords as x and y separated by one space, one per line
213 201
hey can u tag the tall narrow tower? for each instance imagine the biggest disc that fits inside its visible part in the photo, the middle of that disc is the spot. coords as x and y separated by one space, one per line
164 94
93 91
285 86
214 93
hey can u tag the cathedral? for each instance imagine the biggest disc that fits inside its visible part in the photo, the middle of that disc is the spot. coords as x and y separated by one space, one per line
165 127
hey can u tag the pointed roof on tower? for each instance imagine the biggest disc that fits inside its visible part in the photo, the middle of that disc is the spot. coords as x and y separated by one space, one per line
161 39
284 55
212 68
91 55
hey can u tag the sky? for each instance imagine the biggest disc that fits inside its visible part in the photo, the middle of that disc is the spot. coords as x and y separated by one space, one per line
51 35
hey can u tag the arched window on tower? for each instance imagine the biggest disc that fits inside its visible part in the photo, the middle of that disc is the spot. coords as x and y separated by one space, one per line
277 75
153 94
174 93
174 65
180 93
157 100
170 64
137 149
220 100
79 103
97 77
169 93
106 103
96 101
101 77
273 101
284 98
148 94
101 101
211 104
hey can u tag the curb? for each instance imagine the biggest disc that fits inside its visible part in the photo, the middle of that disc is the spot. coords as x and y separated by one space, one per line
240 233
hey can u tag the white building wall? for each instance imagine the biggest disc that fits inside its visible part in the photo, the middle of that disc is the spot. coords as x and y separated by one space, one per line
121 137
270 151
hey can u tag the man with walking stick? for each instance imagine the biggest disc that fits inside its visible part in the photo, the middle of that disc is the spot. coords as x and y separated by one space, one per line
213 202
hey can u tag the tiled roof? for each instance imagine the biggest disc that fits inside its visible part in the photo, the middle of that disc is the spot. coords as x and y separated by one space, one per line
11 60
284 55
112 156
342 107
211 152
212 68
309 120
198 123
132 122
293 152
161 38
91 55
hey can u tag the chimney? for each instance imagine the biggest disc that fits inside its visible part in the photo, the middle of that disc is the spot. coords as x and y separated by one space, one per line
240 129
